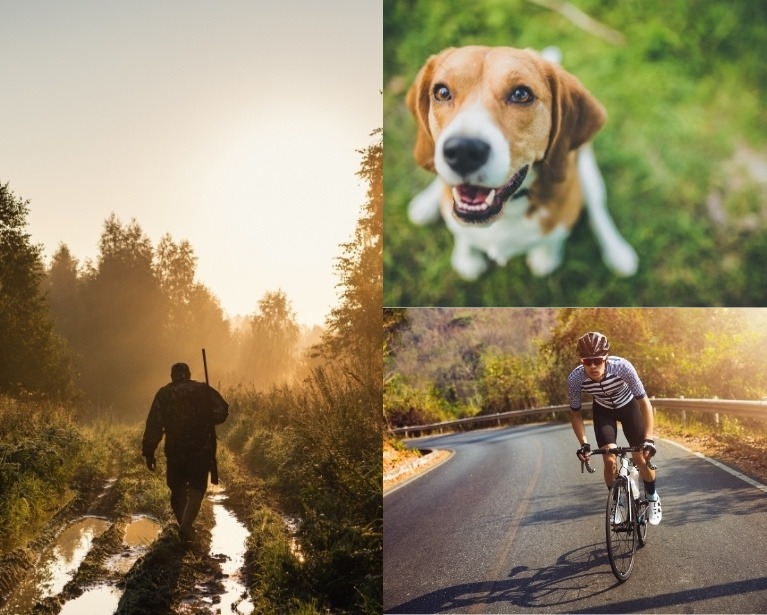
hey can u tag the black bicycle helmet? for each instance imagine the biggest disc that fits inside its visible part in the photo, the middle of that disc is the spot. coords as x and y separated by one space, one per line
593 344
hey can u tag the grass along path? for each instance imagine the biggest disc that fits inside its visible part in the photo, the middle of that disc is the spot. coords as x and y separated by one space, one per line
162 576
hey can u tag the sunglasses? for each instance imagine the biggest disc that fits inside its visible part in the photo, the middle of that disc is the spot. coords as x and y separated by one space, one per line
594 361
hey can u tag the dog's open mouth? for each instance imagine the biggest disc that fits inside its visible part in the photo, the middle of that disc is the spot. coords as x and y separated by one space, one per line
478 204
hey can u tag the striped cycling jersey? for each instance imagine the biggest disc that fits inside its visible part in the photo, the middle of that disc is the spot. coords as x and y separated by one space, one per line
620 383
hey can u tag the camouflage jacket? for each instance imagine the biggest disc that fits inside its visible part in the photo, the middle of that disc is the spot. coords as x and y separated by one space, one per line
185 412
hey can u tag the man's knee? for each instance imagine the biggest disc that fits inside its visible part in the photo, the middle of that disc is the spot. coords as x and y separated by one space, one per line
610 461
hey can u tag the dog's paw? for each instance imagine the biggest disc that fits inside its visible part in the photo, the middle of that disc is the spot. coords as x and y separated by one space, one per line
544 259
621 258
469 264
424 208
423 211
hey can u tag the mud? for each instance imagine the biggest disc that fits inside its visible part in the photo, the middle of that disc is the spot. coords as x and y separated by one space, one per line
88 563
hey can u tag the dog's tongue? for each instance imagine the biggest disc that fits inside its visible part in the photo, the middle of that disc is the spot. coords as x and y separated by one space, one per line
478 204
473 195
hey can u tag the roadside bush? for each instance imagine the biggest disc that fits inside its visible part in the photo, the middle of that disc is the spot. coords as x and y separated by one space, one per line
511 382
40 455
405 404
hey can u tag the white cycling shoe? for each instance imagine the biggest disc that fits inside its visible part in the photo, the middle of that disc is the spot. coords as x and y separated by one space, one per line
655 513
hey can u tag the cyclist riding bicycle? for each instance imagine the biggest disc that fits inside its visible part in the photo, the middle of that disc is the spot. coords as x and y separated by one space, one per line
619 396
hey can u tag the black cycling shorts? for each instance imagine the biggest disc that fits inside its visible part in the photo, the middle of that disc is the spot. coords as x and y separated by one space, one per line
606 423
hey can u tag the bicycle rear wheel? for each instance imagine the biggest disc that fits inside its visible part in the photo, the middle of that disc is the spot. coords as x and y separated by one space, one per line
620 530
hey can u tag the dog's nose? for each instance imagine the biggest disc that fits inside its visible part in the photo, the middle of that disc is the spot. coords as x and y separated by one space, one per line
465 155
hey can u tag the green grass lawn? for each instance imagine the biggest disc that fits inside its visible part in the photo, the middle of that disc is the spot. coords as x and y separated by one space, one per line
685 93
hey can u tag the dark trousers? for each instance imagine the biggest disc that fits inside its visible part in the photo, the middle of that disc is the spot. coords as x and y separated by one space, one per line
186 473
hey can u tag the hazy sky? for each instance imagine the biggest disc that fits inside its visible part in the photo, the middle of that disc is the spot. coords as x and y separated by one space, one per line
231 124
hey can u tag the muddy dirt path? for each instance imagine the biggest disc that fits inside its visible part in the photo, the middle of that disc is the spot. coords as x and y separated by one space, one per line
86 561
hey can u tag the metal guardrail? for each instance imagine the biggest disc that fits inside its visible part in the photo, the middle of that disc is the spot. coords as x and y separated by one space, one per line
731 407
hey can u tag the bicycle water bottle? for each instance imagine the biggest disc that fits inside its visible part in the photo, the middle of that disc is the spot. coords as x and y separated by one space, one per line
634 481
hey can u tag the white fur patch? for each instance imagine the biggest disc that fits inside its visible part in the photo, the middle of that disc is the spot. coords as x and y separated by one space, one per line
475 122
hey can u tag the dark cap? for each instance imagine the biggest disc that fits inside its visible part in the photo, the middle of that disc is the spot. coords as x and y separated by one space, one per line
180 371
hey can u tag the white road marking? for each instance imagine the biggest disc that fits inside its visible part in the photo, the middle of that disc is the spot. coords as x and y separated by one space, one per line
721 466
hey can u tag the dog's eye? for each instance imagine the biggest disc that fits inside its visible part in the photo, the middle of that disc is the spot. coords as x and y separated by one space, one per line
442 92
521 95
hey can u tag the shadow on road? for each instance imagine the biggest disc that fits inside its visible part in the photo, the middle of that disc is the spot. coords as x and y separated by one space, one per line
698 492
686 597
569 580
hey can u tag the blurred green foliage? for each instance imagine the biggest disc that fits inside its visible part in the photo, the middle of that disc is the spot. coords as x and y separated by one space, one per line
685 92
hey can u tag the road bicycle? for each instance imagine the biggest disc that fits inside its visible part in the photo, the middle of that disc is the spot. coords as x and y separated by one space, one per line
626 513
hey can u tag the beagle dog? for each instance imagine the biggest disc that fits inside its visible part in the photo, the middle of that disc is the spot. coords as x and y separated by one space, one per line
507 133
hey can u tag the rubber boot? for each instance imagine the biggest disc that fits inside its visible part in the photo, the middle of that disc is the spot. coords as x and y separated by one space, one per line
178 504
193 503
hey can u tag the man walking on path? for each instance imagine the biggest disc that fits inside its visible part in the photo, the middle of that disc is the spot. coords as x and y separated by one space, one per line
186 412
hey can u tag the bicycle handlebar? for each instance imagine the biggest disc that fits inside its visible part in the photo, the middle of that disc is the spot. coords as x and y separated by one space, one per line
618 450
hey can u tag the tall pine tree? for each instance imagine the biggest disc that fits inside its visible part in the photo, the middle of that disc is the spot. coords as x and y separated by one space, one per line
32 358
355 326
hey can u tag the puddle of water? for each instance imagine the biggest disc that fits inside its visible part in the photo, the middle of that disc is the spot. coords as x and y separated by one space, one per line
57 564
228 545
102 599
295 548
140 533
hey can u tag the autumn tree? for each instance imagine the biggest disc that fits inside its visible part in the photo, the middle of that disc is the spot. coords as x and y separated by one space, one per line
395 321
32 357
681 352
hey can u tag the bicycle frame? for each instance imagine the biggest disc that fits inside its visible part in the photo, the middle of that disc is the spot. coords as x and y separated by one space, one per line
634 525
621 452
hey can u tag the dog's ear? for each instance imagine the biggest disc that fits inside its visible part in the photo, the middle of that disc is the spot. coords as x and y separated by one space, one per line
576 116
418 99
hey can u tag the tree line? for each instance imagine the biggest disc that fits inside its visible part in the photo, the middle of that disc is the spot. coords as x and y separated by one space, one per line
105 332
451 363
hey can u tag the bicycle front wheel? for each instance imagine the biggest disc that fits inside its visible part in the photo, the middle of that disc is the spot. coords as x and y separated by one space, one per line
641 518
620 530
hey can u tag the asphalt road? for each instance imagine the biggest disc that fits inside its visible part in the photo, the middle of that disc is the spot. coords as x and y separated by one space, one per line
509 525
